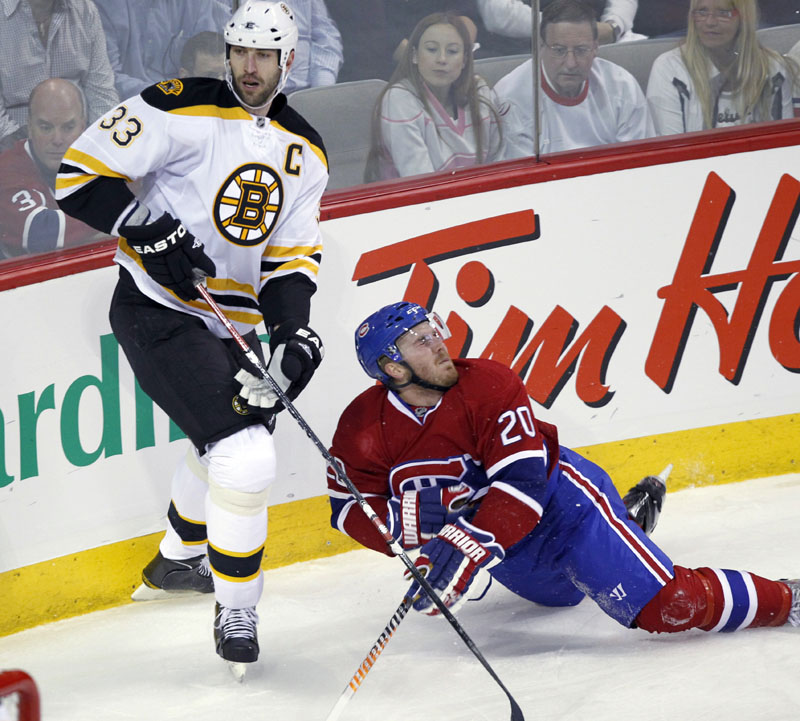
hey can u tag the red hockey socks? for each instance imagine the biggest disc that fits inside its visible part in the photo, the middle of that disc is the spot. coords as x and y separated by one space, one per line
716 600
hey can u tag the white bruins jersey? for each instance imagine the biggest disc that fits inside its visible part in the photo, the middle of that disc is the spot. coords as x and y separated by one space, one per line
248 187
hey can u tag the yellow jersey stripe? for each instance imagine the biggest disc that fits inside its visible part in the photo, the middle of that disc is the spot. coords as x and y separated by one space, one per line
213 111
241 316
97 167
63 181
277 251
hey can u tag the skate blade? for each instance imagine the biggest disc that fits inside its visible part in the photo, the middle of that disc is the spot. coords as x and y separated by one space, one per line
664 475
238 670
148 593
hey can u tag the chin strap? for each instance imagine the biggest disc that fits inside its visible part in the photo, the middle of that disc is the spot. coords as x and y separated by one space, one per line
416 380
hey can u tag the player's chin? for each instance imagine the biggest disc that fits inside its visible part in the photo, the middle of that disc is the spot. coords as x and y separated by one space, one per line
449 374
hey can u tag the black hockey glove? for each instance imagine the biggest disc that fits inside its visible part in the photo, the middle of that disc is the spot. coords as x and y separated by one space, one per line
296 352
170 254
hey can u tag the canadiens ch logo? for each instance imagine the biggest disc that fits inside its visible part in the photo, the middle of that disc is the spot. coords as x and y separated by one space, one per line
248 204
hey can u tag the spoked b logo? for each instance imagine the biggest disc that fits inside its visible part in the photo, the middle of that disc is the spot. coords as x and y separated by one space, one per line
248 204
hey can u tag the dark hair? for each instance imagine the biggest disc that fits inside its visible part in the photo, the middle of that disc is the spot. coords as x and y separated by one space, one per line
207 42
464 89
568 11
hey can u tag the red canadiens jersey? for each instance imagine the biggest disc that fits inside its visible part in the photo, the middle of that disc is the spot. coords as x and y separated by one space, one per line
30 220
482 432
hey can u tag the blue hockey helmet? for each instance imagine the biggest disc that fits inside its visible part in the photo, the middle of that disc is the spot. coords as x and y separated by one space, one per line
377 336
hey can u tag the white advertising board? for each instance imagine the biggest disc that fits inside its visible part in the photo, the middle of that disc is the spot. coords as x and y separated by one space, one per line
631 303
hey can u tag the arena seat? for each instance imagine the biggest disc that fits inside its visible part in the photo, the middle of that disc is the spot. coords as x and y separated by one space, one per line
342 115
492 69
780 38
637 56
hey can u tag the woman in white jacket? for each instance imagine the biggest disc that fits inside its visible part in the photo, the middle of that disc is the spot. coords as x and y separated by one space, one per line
435 113
720 75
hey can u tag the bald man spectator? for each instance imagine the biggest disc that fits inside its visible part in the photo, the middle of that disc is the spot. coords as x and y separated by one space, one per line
42 39
30 220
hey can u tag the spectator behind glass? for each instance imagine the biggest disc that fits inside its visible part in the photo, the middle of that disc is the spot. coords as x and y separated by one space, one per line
30 220
794 55
720 75
584 101
145 37
318 56
512 18
41 39
426 118
203 56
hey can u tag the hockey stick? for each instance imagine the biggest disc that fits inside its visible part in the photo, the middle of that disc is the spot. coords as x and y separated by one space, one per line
396 548
370 659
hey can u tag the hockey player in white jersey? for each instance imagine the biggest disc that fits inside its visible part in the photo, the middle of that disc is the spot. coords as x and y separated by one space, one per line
229 180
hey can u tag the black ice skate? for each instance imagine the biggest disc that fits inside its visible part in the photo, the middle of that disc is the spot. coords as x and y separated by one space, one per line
165 577
236 637
645 499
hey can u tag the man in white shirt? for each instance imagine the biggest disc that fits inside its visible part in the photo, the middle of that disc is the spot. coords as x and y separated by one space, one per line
584 100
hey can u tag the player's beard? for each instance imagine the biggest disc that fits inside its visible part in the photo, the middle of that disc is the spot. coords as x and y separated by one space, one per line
263 97
442 373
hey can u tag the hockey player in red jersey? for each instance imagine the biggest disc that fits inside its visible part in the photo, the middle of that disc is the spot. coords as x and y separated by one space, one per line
451 455
231 180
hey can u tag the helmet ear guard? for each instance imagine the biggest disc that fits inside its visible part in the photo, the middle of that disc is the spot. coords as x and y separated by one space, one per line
377 336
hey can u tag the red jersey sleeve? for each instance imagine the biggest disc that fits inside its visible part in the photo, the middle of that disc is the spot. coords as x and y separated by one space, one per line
30 220
358 446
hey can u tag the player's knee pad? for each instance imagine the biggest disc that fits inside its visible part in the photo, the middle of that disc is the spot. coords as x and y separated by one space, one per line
685 602
241 469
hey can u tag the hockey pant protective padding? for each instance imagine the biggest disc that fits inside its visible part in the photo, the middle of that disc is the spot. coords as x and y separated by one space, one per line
715 600
186 534
241 469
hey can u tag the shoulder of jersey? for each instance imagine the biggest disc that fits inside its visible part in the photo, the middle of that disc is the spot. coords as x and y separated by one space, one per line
182 93
295 123
483 374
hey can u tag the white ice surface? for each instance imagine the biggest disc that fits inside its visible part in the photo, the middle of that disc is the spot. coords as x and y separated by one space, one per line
319 619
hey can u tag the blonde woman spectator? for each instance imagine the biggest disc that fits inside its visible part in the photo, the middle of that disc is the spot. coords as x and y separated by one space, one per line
435 113
720 75
794 55
42 39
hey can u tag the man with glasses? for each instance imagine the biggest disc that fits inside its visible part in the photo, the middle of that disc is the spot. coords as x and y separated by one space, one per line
584 100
